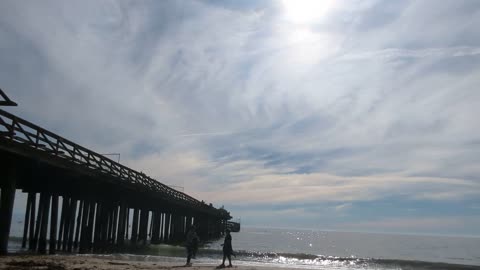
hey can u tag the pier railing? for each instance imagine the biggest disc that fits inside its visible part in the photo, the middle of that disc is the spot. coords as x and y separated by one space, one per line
17 130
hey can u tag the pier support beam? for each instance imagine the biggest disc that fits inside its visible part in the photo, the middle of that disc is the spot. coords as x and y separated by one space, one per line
155 227
90 226
6 208
38 224
83 246
79 220
31 235
96 236
53 224
143 229
45 205
162 227
127 222
115 225
121 224
201 222
105 211
65 222
109 217
26 221
62 224
71 221
188 223
134 236
167 237
178 225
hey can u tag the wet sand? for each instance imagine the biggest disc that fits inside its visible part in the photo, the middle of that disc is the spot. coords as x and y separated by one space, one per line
69 262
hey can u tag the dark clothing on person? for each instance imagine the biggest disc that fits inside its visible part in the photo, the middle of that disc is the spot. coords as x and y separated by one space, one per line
194 247
191 245
190 252
227 245
227 250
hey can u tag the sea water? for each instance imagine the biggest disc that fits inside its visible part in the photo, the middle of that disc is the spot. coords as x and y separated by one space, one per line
314 249
328 249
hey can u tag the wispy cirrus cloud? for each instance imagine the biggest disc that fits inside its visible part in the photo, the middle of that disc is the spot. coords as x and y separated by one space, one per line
242 105
393 53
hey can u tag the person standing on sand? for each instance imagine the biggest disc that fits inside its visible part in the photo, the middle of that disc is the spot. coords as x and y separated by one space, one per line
227 250
191 244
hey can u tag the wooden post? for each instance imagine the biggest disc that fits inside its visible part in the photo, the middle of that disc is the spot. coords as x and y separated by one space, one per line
90 225
96 236
109 218
26 220
6 208
38 223
150 229
104 225
115 224
45 204
201 223
143 229
66 213
188 223
71 221
62 224
160 227
127 222
167 227
174 220
134 226
178 222
31 237
53 224
83 228
121 225
110 222
183 222
91 217
155 227
79 220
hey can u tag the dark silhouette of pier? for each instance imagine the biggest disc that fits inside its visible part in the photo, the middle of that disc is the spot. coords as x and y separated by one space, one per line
79 200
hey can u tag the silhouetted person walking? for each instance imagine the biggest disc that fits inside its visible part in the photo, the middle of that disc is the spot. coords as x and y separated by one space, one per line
191 244
227 250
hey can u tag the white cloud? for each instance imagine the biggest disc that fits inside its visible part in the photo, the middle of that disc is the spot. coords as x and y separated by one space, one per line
242 106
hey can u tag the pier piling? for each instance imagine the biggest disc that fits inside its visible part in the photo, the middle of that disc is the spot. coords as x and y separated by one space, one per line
6 207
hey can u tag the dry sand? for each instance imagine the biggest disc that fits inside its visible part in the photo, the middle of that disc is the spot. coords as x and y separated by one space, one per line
68 262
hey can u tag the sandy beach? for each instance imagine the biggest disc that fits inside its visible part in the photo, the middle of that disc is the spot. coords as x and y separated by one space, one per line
70 262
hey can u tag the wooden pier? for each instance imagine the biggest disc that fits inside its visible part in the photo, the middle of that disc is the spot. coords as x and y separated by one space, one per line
82 201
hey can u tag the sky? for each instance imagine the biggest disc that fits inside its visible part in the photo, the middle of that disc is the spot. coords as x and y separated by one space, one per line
333 115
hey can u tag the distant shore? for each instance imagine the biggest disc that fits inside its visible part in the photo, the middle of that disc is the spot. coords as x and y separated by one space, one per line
72 262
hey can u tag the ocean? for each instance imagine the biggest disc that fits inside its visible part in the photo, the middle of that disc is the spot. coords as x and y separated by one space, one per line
313 249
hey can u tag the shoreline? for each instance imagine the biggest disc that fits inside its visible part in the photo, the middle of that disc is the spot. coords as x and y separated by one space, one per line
84 262
15 261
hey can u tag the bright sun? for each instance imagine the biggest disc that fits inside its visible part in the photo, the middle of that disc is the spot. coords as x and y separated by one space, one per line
306 11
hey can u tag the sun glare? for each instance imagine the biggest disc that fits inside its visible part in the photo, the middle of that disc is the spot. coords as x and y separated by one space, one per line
306 11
